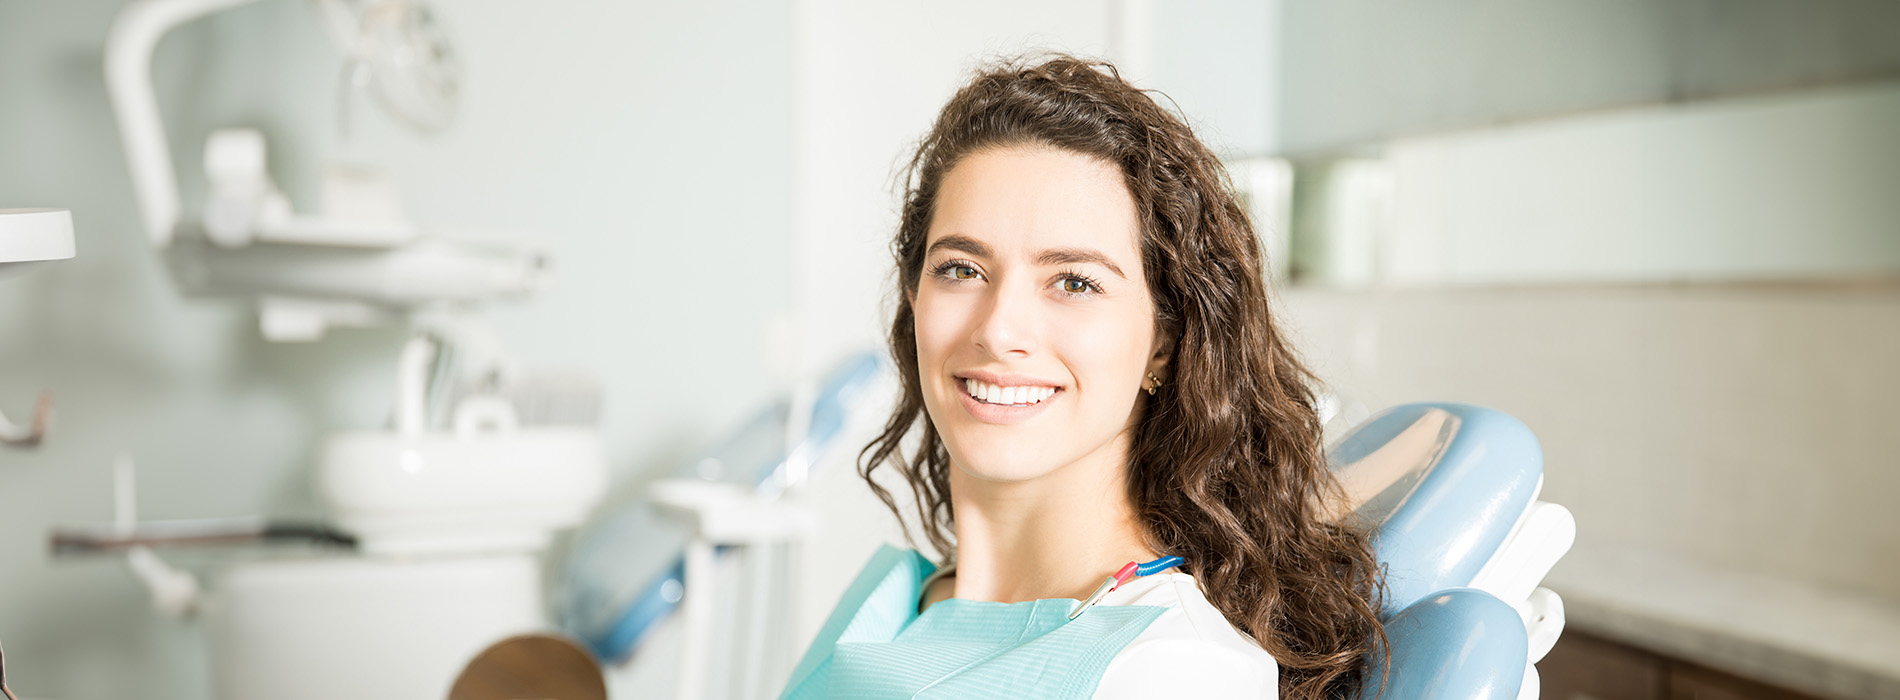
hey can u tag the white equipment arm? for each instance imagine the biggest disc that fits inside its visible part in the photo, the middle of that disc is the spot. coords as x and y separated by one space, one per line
129 46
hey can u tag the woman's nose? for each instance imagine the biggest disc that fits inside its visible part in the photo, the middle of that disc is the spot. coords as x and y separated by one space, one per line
1008 327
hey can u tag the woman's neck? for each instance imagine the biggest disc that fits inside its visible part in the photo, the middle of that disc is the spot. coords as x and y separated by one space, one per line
1056 536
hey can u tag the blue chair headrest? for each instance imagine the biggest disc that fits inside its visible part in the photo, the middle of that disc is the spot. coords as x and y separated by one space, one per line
1441 485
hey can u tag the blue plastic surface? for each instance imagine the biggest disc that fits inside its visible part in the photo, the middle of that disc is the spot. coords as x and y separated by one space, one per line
1459 643
651 606
1473 472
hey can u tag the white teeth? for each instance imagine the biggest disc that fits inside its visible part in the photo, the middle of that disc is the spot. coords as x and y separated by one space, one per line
1007 396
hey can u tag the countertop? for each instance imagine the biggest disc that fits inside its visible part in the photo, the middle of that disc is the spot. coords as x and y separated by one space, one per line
1775 629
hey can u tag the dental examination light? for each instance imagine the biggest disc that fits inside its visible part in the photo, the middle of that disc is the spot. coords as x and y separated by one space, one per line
399 51
360 261
30 238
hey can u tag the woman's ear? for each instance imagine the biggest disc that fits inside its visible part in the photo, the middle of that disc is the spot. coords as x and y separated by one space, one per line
1163 351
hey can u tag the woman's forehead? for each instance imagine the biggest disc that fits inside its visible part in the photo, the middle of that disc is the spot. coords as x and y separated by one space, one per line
1025 201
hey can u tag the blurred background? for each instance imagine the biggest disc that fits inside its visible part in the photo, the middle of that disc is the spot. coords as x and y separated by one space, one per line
1663 234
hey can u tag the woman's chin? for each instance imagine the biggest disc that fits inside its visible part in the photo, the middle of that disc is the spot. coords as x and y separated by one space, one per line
1002 461
1004 474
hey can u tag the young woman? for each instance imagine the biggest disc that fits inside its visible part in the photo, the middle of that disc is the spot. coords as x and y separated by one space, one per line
1092 376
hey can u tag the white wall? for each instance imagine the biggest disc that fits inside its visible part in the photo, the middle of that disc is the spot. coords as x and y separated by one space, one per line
1219 60
645 142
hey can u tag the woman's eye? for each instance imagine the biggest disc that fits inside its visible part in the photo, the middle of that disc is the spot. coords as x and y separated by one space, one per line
1074 285
956 271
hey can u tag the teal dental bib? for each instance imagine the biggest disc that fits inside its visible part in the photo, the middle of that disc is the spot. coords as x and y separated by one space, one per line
876 645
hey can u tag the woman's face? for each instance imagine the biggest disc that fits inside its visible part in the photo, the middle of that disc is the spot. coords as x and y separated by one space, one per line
1035 330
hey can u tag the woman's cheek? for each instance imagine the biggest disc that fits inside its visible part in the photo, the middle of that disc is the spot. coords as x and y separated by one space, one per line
934 322
1100 346
940 323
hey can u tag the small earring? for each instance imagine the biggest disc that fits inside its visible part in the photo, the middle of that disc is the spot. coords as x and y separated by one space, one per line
1154 383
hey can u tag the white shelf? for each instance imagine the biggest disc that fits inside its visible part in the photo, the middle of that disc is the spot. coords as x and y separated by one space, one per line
34 235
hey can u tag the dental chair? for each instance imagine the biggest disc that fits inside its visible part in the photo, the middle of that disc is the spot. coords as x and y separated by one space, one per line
1450 491
633 566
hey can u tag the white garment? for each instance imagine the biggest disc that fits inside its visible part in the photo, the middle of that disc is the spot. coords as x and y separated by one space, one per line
1190 651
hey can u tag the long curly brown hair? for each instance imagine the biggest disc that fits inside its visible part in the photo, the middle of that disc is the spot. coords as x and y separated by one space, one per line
1227 467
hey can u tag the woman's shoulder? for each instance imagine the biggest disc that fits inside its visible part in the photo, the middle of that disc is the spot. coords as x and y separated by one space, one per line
1190 649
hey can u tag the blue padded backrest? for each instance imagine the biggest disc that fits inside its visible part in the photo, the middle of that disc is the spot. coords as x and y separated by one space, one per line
1441 485
1461 644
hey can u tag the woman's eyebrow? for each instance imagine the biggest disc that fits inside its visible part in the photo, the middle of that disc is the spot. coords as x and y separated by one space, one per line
962 243
1058 256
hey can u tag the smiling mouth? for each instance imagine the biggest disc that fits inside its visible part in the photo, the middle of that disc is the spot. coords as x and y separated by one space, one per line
1007 395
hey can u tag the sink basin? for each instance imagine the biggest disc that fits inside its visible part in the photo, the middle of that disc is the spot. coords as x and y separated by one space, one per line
439 492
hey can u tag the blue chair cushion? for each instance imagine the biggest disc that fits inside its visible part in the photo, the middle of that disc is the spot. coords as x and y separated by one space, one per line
1441 485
